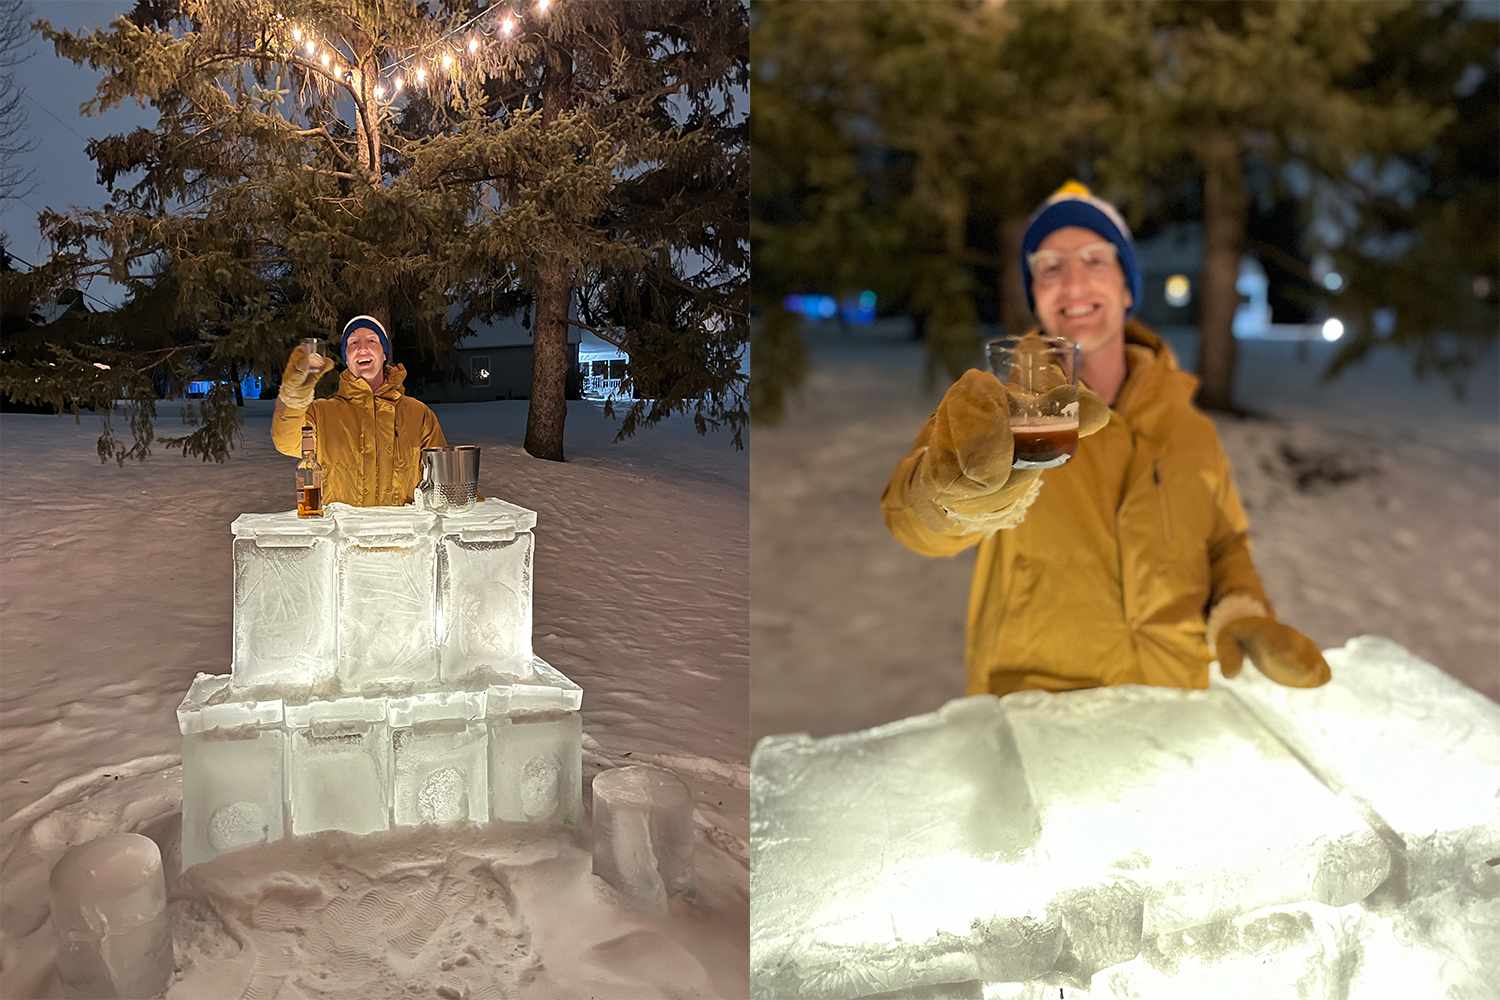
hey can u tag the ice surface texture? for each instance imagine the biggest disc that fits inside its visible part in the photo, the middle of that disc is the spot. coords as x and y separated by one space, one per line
643 834
284 600
1187 793
536 767
876 858
485 592
108 899
1419 749
387 609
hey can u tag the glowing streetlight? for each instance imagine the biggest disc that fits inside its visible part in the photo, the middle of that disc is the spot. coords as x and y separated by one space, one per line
1333 329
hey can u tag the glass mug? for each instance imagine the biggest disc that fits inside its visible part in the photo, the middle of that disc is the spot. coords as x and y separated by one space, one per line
1040 375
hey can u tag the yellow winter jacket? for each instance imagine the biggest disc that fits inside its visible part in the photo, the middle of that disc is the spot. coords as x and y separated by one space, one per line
369 443
1110 577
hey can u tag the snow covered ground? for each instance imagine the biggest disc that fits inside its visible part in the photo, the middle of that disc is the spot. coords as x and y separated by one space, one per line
115 590
1374 503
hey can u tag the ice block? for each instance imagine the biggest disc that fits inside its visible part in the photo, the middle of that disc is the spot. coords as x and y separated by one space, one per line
284 601
439 752
1419 749
484 591
232 769
387 572
339 766
1188 794
536 766
898 858
108 899
643 834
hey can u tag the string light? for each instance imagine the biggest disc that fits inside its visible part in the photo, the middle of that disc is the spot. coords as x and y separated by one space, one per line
541 6
379 92
473 45
325 60
421 75
399 84
447 61
312 47
509 25
296 34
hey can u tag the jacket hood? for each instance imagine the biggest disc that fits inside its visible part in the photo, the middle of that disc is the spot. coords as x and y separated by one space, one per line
356 389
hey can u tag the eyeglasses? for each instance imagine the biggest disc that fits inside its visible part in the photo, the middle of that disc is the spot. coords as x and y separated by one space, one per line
1048 266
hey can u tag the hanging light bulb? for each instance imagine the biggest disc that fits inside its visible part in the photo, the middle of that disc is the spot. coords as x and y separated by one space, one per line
324 60
312 47
473 45
509 25
399 84
296 34
421 74
541 6
379 92
447 61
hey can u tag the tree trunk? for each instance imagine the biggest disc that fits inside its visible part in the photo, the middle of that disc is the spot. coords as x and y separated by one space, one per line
549 342
1014 312
549 365
1225 204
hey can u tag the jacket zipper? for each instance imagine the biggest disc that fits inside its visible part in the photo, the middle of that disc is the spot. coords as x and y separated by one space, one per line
1161 496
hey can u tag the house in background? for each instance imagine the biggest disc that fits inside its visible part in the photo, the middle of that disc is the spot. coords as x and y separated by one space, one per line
494 362
603 366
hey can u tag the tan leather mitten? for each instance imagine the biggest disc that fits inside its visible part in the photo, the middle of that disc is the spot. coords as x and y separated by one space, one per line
300 379
1279 651
965 475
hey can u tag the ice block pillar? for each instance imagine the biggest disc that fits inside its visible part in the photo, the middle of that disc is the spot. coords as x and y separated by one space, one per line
284 601
109 902
339 766
387 593
643 834
233 768
484 591
439 757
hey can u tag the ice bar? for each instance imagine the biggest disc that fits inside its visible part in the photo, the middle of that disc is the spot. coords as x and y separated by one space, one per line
1157 843
382 676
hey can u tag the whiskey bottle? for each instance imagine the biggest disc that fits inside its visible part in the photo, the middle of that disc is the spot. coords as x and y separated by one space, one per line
309 478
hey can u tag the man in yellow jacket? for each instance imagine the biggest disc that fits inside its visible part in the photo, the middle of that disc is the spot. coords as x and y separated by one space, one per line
1129 564
370 435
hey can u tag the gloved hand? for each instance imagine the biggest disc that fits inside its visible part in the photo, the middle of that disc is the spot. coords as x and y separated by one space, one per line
1278 651
965 475
300 378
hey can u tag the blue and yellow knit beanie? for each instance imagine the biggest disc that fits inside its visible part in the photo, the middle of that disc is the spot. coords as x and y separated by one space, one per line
1073 204
364 323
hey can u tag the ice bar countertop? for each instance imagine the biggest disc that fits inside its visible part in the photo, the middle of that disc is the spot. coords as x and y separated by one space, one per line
1129 841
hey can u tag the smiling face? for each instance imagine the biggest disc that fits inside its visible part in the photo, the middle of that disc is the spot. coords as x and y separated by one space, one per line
366 357
1088 309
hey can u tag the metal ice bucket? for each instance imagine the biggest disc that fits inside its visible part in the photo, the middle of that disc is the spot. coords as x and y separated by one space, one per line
450 478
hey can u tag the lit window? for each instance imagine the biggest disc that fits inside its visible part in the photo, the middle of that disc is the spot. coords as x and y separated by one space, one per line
1179 290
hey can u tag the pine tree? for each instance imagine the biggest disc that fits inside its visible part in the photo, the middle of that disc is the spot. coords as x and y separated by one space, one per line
431 165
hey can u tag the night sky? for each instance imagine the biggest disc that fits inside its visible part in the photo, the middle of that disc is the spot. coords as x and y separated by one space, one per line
62 173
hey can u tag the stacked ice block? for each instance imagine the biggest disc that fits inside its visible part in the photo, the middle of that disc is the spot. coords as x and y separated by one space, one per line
382 676
1247 840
